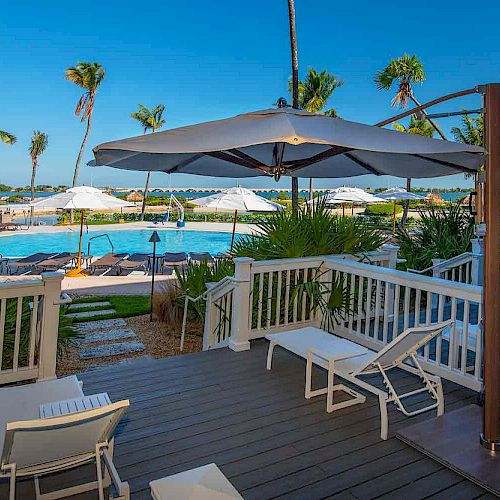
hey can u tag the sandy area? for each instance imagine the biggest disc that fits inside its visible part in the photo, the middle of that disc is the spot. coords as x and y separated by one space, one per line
160 341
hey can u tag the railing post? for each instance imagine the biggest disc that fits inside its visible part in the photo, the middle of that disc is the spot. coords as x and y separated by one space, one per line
393 251
477 261
49 328
240 314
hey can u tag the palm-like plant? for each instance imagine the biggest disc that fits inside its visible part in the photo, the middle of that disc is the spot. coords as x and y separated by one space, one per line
150 119
38 145
416 127
316 89
88 76
470 132
7 137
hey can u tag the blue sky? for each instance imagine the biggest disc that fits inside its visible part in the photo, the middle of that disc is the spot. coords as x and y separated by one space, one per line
209 60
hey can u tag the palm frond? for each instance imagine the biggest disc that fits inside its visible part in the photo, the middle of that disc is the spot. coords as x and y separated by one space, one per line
38 144
7 137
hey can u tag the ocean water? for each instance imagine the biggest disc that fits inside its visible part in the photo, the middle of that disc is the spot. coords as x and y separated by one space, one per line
17 244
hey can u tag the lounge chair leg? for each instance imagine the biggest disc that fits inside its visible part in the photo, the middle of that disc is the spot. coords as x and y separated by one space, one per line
270 354
384 421
98 464
439 390
307 391
330 388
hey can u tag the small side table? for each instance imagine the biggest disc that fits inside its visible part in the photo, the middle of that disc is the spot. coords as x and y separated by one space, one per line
336 350
156 264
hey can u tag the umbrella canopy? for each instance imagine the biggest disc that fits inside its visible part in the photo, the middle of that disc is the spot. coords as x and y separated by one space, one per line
237 198
395 194
81 197
350 195
287 141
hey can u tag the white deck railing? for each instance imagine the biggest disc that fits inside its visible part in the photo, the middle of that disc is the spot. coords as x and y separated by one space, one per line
260 300
29 321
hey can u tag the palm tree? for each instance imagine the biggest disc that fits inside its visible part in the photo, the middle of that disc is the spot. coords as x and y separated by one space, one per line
38 145
150 119
415 127
7 137
315 91
295 85
88 76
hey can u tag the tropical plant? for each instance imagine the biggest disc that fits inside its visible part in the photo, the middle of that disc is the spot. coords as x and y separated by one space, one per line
193 280
150 119
7 137
316 89
38 145
440 232
416 127
307 232
471 131
383 209
88 76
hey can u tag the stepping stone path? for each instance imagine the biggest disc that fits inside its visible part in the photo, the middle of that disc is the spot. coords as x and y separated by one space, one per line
106 337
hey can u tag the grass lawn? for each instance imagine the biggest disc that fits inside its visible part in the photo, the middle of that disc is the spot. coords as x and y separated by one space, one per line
125 306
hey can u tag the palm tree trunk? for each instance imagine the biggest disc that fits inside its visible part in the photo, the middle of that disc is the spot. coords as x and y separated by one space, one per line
406 205
295 87
33 175
146 187
80 155
432 122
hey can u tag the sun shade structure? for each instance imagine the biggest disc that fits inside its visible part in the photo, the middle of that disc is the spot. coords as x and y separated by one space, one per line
398 194
287 141
237 199
81 198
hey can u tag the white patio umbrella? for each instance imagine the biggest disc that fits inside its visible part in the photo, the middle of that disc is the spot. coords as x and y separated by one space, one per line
81 198
397 194
346 194
237 199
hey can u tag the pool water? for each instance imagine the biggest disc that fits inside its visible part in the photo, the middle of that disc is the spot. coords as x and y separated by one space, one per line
21 245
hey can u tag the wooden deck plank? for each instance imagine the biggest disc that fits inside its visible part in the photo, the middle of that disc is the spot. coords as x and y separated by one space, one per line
225 407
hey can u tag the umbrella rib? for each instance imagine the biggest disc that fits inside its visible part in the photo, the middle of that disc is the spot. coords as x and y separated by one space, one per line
306 162
446 164
244 162
185 162
363 164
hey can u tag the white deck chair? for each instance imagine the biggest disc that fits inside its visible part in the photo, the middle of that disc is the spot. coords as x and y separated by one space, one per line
402 348
43 446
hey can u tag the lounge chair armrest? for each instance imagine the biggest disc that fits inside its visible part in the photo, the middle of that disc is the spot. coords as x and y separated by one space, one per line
122 487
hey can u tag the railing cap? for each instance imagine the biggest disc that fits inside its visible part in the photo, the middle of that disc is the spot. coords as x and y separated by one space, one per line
52 276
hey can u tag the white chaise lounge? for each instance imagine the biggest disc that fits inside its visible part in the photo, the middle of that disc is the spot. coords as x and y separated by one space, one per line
33 446
351 362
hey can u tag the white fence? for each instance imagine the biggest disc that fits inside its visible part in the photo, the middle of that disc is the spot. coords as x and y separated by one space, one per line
262 298
29 321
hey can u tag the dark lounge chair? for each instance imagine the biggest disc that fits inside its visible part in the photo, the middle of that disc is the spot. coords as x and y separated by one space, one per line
59 261
200 257
27 264
134 262
107 262
174 259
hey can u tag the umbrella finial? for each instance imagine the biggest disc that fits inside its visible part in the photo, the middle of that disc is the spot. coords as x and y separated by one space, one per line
281 103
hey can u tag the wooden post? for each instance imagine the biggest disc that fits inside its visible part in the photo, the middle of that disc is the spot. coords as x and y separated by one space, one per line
49 328
240 313
234 228
491 290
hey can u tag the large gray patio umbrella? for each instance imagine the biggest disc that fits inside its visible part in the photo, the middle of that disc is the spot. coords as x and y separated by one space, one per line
287 141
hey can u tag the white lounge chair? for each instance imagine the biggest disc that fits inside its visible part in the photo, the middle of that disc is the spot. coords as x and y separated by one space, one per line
32 447
354 365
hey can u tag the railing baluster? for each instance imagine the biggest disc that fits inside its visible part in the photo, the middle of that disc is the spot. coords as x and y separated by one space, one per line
33 326
387 291
428 319
479 343
368 309
287 296
278 300
269 305
439 339
304 296
454 341
377 311
418 300
395 316
361 282
259 303
406 308
465 338
17 337
351 300
296 295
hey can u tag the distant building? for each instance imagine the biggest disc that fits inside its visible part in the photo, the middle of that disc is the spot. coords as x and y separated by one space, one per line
135 197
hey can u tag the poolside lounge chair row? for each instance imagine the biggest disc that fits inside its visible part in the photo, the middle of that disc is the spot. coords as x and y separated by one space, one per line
42 261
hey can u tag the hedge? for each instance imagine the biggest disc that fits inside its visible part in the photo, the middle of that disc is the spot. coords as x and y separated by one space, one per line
383 209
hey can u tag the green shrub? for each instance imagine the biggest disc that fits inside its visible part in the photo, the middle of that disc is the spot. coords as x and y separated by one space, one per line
441 232
383 209
307 232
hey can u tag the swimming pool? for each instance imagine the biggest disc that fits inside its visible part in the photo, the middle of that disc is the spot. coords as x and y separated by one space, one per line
21 245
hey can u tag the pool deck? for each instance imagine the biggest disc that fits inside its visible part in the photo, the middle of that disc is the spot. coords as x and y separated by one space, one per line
219 227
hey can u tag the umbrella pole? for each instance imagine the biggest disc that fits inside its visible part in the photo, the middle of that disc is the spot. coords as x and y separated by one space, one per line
343 209
77 272
234 227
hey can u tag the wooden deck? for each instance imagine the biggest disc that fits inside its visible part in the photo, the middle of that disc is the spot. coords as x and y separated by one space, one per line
224 407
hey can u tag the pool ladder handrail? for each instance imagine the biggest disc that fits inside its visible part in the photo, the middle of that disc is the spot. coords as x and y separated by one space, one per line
100 236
